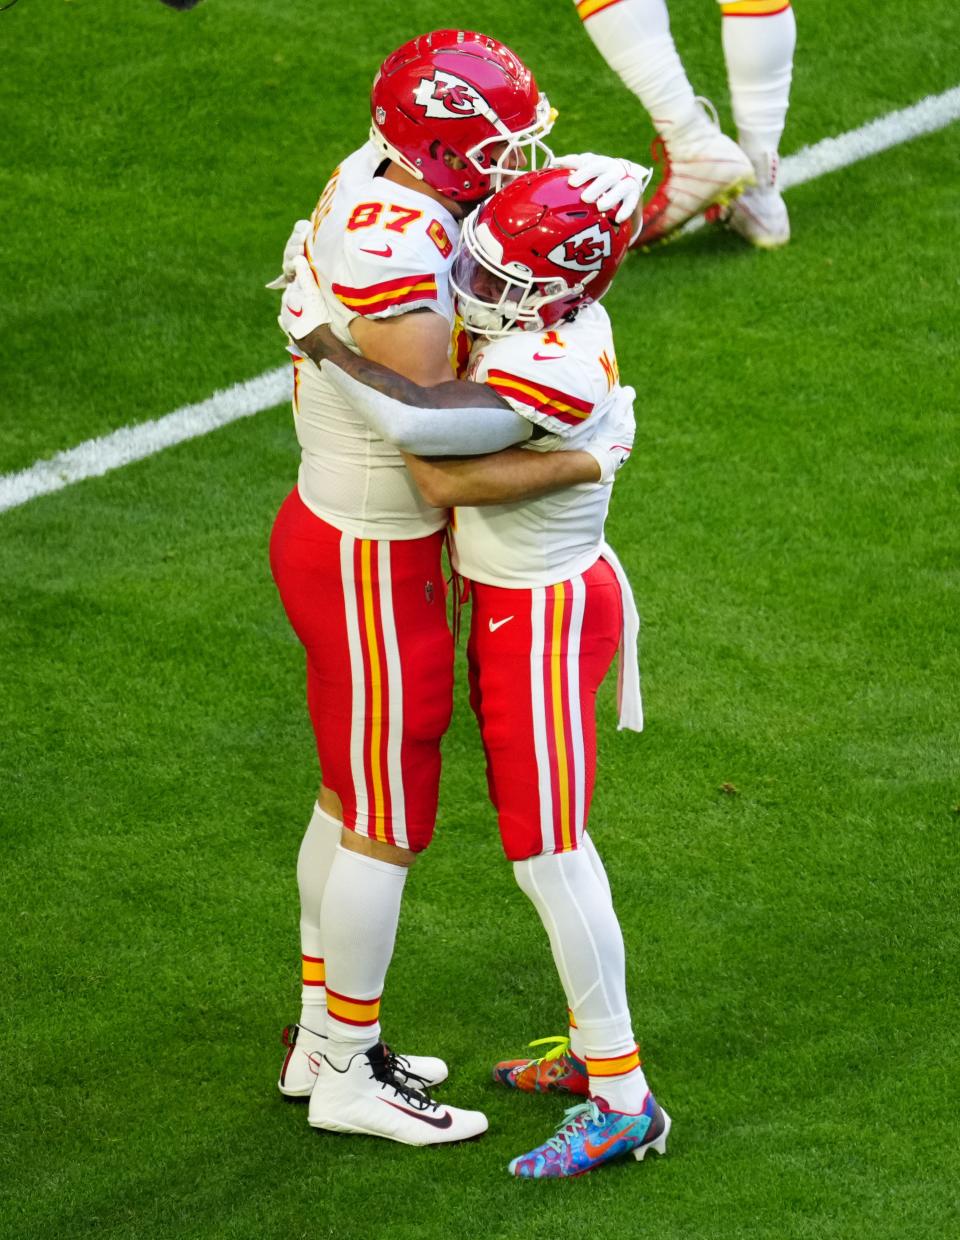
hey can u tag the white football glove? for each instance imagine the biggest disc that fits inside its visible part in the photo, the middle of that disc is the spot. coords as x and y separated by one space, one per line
293 249
613 442
302 307
608 182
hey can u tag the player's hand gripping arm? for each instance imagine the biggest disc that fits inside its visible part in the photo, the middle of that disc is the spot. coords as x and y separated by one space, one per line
413 416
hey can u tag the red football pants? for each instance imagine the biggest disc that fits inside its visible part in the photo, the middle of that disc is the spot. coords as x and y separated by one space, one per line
372 618
537 658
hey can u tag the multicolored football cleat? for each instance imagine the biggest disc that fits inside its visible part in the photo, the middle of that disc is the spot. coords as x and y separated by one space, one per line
591 1135
559 1071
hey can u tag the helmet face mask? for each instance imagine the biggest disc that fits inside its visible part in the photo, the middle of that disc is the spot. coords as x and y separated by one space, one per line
506 154
461 112
533 255
495 296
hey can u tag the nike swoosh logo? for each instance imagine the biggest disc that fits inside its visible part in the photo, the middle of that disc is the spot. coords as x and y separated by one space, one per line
548 357
594 1151
386 252
496 624
296 313
433 1121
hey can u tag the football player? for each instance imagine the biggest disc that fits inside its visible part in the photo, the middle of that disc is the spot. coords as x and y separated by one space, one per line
550 603
702 168
356 550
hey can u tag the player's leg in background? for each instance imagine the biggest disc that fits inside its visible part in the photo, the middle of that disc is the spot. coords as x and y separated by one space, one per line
759 37
701 165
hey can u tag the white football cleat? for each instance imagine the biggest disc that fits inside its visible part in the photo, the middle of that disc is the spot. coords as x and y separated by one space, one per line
702 168
369 1095
760 217
305 1051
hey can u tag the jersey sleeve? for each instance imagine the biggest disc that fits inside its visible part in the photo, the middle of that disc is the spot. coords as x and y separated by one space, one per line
381 272
556 390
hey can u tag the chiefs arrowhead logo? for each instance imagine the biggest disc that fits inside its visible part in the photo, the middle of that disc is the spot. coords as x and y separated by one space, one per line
585 251
448 97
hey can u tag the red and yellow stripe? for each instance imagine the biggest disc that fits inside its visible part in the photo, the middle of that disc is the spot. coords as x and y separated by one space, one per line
558 699
353 1011
377 297
587 8
567 409
314 971
376 714
571 1019
616 1065
754 8
558 611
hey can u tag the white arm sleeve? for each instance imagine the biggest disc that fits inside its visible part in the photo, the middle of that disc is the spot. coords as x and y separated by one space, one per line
431 432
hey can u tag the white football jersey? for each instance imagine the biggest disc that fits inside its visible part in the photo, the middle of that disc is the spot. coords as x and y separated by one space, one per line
564 381
378 249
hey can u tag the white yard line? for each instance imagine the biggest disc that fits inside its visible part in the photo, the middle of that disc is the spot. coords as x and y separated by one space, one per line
133 443
98 456
930 114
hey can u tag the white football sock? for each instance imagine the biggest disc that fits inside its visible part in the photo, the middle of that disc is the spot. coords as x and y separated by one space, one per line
759 55
361 909
317 850
634 39
596 863
590 851
587 946
576 1037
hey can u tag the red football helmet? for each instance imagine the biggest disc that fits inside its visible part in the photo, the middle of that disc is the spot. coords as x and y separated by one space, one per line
457 94
533 254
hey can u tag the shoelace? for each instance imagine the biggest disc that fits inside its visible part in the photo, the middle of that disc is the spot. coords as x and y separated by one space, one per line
708 107
388 1075
560 1048
403 1064
575 1120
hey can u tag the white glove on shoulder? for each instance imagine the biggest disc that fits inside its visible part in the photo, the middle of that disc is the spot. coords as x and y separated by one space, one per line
293 249
613 442
608 182
302 307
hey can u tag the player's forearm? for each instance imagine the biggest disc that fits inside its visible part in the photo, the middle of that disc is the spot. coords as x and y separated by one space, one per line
501 478
321 345
431 431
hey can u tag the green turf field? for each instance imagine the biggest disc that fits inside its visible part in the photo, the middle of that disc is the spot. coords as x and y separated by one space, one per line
789 520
